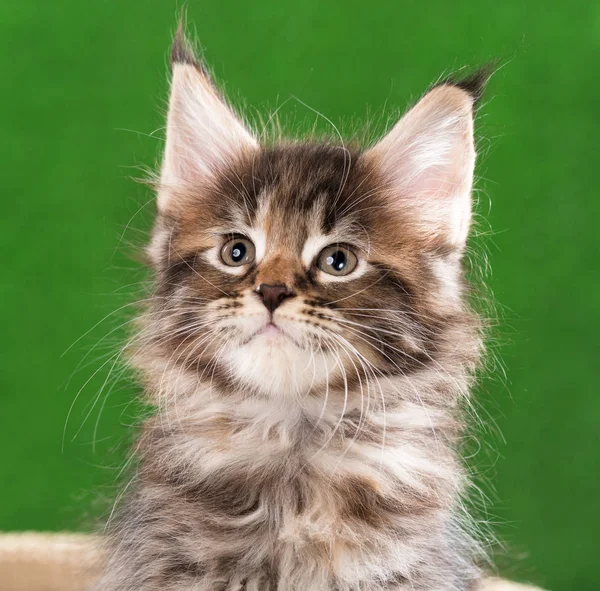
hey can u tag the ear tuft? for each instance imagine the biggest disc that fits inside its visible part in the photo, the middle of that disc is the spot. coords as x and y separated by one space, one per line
182 51
473 83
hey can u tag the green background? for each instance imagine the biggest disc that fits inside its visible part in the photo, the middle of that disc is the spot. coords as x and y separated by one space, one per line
84 88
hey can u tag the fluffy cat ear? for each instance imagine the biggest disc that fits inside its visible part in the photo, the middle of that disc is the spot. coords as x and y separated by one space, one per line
203 133
427 162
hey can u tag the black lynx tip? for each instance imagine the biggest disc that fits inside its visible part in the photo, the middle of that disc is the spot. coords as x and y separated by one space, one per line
182 51
474 83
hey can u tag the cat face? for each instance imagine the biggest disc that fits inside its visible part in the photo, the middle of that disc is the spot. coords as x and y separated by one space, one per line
285 269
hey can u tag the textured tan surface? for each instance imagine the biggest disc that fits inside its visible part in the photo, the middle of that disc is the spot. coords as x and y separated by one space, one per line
70 562
47 562
502 585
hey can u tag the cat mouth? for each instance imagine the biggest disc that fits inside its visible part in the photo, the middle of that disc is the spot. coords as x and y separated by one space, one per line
270 329
271 333
268 332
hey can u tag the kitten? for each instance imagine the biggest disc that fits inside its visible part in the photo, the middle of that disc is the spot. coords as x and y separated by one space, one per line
308 350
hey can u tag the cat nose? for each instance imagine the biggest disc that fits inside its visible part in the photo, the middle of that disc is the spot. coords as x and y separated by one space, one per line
273 295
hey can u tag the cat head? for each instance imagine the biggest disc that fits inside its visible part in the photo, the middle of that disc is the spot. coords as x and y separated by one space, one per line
285 269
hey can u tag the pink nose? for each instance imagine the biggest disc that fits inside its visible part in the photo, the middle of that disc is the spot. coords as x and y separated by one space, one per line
273 295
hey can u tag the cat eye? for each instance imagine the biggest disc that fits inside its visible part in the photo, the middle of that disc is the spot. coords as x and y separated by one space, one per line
337 260
237 252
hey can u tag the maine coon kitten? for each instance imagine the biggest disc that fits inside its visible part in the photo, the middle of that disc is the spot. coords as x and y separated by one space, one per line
308 349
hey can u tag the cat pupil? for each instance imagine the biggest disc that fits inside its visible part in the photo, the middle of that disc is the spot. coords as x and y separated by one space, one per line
337 260
238 251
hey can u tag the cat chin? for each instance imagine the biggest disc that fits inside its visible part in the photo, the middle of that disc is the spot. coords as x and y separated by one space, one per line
273 363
